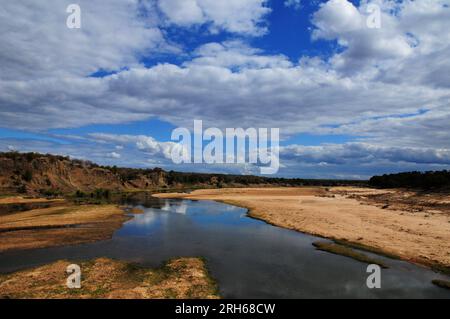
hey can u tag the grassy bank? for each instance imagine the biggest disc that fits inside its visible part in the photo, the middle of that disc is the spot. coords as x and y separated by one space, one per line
183 278
347 252
442 283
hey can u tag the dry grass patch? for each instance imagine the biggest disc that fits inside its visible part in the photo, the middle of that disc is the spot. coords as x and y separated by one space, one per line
56 226
136 211
26 200
184 278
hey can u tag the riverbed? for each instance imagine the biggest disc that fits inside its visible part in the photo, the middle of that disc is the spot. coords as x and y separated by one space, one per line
248 258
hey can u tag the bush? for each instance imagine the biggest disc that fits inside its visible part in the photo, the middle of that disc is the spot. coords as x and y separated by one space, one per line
27 176
22 189
80 194
50 192
102 194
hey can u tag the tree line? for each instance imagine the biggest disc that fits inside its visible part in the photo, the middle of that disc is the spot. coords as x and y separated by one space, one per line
418 180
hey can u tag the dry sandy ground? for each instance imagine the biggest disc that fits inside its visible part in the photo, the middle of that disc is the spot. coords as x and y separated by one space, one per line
62 225
348 214
24 200
184 278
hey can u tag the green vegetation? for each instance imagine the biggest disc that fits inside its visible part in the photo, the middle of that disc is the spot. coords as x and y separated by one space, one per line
27 176
97 194
221 180
440 268
416 180
80 194
365 248
97 197
29 157
173 178
22 189
348 252
51 193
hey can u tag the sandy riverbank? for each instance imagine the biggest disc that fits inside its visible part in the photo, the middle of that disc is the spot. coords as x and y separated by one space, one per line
184 278
65 224
420 235
24 200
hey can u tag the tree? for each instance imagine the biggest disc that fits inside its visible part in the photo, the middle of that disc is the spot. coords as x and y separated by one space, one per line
27 176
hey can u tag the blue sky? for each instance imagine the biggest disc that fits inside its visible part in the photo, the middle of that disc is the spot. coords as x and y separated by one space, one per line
350 101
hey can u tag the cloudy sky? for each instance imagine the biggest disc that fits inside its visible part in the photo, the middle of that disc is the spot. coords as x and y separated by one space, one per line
351 101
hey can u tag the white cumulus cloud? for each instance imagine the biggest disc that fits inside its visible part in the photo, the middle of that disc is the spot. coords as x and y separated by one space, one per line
236 16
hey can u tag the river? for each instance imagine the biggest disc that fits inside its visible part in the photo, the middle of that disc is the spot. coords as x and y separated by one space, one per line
248 258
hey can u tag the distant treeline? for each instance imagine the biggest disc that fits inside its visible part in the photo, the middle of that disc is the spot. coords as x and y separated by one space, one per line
418 180
223 180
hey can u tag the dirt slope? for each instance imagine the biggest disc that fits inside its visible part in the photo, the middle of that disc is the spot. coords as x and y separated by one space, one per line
48 174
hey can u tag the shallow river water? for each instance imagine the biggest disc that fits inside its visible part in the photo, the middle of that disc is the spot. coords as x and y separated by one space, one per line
247 257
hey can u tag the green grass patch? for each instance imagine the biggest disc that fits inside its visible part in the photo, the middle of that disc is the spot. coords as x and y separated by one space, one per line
366 248
347 252
434 266
135 273
441 268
